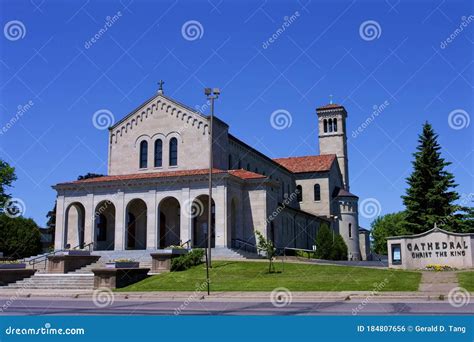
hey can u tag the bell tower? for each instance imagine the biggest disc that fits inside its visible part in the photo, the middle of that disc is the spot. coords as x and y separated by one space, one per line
333 137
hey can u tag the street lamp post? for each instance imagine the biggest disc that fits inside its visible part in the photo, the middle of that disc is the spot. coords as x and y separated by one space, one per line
211 94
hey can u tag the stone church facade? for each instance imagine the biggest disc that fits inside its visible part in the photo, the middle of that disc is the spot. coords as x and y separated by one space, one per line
156 192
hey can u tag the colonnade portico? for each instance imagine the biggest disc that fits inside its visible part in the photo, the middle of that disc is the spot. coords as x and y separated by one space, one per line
95 204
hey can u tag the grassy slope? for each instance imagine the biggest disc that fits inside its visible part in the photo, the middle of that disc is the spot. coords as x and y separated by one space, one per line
253 276
466 280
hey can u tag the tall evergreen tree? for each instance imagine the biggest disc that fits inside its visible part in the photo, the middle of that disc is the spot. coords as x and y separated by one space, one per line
430 196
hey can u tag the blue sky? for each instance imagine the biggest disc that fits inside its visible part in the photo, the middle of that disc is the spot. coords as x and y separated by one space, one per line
402 61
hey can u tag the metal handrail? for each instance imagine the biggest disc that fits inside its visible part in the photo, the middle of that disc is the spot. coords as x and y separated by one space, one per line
44 257
187 243
252 248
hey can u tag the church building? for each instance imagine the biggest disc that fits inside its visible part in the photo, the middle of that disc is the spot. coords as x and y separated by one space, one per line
155 194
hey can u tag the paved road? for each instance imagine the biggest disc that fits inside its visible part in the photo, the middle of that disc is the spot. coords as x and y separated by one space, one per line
133 307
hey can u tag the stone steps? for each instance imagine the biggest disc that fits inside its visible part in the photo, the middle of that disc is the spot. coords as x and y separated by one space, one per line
55 281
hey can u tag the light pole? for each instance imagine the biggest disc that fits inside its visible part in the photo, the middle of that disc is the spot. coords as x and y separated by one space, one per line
211 94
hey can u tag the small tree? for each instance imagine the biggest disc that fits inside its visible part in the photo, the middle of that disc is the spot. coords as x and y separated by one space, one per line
7 177
324 242
339 248
387 225
267 246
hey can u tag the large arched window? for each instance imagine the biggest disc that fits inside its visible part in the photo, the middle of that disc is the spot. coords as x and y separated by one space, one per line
158 153
143 155
330 125
173 152
317 192
334 123
325 123
299 193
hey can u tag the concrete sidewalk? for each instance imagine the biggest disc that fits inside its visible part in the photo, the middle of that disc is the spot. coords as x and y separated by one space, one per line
230 296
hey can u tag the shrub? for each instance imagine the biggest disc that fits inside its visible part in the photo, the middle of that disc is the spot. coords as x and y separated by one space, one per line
339 249
324 242
183 262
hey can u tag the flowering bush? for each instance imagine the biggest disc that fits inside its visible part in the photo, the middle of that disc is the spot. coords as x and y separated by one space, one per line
438 268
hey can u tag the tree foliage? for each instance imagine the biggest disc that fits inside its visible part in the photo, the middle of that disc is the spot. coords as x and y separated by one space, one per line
19 237
385 226
324 241
7 177
430 195
339 248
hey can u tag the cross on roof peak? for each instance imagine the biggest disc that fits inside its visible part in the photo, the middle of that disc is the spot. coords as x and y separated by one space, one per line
160 89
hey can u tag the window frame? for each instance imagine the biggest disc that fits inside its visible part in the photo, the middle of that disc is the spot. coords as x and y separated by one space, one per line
173 141
143 155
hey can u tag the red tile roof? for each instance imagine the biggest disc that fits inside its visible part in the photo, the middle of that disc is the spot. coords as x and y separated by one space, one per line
320 163
243 174
330 106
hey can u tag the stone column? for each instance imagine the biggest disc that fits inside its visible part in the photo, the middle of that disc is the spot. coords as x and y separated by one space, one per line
185 223
89 219
120 221
60 224
151 221
220 201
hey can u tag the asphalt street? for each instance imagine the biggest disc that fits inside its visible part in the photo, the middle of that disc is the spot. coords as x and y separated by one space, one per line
50 306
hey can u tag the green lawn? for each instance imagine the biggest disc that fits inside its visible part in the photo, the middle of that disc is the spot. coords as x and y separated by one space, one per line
253 276
466 280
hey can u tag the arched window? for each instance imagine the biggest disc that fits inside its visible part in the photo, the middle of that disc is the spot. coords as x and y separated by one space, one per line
350 230
158 153
143 155
299 193
334 123
330 125
317 192
102 228
173 152
325 122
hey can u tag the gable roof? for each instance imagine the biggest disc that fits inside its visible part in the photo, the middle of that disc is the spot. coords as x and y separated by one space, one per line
304 164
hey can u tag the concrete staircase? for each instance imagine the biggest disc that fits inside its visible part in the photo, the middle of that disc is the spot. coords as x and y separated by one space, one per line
223 253
55 281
